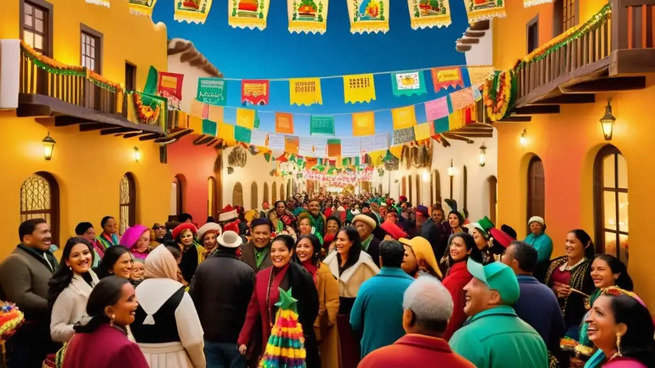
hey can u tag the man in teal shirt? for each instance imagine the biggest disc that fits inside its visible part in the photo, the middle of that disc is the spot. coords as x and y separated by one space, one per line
538 238
495 336
377 314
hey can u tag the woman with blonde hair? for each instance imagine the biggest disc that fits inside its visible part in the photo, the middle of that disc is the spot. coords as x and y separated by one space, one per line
166 326
425 261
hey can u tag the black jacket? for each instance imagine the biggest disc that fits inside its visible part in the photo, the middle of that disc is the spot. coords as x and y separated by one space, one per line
432 233
221 290
304 290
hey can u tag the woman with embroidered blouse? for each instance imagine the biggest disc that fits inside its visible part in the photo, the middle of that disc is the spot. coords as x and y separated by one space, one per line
570 279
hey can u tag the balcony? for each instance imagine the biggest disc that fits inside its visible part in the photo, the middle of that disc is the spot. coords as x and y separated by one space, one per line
611 52
40 87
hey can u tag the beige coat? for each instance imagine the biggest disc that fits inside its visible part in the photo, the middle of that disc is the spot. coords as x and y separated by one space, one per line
326 322
70 307
353 277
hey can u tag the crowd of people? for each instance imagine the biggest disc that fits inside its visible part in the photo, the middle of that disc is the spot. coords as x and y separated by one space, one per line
378 283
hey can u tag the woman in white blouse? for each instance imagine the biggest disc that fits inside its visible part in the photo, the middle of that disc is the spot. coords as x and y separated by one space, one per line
166 325
69 288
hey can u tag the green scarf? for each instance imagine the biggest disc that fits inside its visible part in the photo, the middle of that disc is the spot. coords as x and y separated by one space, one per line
260 255
317 223
367 242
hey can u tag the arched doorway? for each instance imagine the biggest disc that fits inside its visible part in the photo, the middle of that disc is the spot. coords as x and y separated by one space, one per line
410 197
492 186
39 198
404 187
536 188
237 195
281 192
437 187
418 190
254 201
177 195
212 197
127 205
266 193
274 192
611 203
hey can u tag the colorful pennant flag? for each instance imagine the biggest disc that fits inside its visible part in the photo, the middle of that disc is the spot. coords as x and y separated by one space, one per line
363 123
275 141
368 16
215 113
309 16
359 88
242 134
381 141
195 123
478 10
209 127
246 118
212 91
169 86
367 144
284 122
225 131
462 98
436 109
140 7
376 157
401 136
422 131
305 91
321 125
397 151
407 84
429 13
255 92
456 120
291 144
334 147
403 117
199 109
446 77
480 74
192 11
249 14
258 138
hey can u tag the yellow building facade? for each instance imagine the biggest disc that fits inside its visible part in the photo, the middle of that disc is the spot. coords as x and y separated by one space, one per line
559 164
86 166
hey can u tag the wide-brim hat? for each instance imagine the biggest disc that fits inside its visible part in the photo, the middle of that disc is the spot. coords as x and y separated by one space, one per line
228 215
365 219
185 226
209 227
230 239
132 235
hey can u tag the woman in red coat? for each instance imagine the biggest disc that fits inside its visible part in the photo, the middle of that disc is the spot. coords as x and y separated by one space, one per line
101 342
262 310
462 246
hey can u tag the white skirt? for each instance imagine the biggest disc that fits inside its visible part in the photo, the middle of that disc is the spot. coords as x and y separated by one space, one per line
167 355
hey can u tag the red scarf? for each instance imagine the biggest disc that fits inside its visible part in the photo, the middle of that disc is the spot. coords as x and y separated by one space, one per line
310 267
274 293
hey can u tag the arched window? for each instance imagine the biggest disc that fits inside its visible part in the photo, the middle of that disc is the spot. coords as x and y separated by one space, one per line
254 199
437 186
274 192
536 188
39 198
380 189
177 195
492 183
282 191
237 195
212 197
266 193
418 190
289 194
611 203
127 208
404 187
410 197
465 179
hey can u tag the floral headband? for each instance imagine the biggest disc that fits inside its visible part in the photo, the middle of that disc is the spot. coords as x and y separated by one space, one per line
616 291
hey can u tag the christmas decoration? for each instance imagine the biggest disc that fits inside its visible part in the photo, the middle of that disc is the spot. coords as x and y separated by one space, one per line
286 345
500 95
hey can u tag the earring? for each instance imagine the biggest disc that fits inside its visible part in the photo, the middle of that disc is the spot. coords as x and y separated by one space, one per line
618 345
70 268
111 321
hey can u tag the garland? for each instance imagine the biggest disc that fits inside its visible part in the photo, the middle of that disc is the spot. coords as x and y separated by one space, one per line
500 95
51 65
102 82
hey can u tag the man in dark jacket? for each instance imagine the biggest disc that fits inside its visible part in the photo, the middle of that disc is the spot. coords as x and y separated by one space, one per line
257 252
428 230
221 290
24 276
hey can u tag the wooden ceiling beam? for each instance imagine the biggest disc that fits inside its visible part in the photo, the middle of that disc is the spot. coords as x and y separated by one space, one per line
536 109
611 84
115 130
212 142
468 41
579 98
94 126
480 26
150 137
206 140
475 34
135 134
196 141
462 47
33 110
517 119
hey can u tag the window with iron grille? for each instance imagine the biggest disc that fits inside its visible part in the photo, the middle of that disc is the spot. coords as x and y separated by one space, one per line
127 203
39 198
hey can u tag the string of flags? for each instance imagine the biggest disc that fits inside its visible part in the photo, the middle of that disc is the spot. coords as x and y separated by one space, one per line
310 16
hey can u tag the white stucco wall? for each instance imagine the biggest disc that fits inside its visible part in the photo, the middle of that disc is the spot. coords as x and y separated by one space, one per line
462 154
481 53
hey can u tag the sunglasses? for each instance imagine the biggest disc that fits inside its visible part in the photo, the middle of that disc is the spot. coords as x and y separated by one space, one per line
161 227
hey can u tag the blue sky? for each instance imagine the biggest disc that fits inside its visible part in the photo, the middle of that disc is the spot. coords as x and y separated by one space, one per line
276 53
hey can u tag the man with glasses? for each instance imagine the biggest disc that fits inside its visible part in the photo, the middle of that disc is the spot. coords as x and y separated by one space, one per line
160 233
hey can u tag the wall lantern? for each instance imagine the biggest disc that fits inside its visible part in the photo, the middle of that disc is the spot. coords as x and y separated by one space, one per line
425 177
48 147
136 155
451 169
607 121
523 140
483 155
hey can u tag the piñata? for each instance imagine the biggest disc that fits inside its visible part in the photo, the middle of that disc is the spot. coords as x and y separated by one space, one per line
286 345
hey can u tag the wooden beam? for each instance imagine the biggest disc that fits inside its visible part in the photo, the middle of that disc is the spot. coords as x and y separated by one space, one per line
463 48
94 126
536 109
517 119
457 137
468 41
29 110
196 141
607 85
135 134
115 130
64 120
475 34
212 142
206 140
480 26
578 98
150 137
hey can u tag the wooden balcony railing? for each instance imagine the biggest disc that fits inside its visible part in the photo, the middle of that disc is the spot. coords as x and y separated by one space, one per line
76 85
598 44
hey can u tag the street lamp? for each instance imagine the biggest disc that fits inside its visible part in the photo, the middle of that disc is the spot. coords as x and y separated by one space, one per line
483 155
451 169
607 121
48 147
523 140
136 155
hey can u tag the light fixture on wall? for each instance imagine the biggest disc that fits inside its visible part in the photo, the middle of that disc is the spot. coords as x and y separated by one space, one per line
136 155
425 176
483 155
48 147
451 169
523 140
607 121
